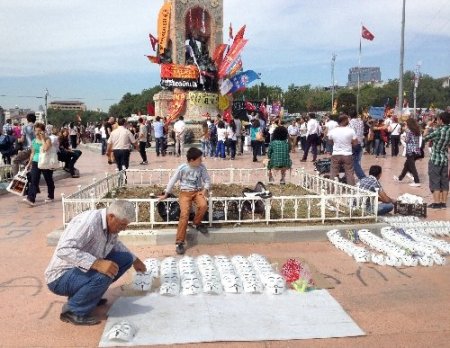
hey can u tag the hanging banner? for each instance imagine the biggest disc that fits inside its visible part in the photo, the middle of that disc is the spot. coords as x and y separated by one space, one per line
232 55
177 71
163 26
235 67
176 105
218 54
224 103
203 99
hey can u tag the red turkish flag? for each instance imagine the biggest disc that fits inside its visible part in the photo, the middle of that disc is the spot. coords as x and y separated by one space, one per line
366 34
153 41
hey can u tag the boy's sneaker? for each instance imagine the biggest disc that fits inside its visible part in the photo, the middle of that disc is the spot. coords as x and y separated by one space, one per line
396 178
201 228
143 163
410 177
180 249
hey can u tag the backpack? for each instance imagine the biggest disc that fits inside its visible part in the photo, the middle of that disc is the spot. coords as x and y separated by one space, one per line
4 143
258 191
213 132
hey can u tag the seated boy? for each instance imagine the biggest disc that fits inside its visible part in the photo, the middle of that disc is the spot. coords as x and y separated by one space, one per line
194 185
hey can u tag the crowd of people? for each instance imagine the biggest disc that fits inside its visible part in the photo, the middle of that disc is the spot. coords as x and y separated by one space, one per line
22 146
89 257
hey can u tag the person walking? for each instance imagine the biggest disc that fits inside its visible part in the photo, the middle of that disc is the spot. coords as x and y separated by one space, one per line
232 138
194 185
293 134
44 142
119 143
26 140
158 129
380 138
142 137
239 137
256 138
221 137
413 152
312 137
278 153
395 129
73 133
357 150
180 130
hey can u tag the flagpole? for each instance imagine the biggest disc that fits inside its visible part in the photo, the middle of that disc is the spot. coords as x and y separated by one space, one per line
359 73
402 55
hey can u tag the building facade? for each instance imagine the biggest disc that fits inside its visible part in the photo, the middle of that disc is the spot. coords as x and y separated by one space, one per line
366 75
67 105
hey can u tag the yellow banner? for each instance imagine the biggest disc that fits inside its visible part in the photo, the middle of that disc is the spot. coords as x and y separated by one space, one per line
224 103
203 98
164 26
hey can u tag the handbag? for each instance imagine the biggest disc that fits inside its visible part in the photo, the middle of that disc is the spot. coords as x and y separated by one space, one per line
259 136
48 159
18 183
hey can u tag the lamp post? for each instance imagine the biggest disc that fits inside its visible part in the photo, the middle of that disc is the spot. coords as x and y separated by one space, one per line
416 84
46 106
402 55
333 60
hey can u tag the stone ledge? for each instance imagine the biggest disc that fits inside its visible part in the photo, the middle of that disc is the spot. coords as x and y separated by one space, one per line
225 235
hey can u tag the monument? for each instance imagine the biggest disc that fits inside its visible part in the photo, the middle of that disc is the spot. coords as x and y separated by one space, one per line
189 33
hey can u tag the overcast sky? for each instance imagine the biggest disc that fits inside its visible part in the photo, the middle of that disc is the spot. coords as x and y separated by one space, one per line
94 49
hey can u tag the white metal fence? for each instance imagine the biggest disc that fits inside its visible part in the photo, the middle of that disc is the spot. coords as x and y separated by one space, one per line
5 172
327 200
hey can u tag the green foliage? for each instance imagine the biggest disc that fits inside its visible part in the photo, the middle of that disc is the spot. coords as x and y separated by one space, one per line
306 98
134 103
61 117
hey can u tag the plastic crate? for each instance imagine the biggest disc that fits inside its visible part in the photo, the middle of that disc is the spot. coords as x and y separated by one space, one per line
419 210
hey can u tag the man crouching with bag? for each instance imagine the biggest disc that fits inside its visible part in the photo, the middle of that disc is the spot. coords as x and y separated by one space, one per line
89 258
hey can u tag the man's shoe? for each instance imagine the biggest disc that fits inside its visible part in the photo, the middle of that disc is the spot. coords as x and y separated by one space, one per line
395 177
444 205
180 249
144 162
202 228
69 317
435 206
414 184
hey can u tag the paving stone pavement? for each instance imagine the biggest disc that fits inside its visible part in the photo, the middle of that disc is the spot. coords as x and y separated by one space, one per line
395 306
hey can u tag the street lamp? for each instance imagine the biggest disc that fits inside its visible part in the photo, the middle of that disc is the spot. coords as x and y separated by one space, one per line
333 59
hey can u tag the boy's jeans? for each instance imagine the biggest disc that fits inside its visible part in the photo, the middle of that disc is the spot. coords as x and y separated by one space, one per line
186 199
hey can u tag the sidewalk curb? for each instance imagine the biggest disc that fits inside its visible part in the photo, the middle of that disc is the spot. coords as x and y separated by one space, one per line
224 235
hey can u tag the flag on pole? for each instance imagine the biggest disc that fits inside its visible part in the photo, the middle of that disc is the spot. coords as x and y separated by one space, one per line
366 34
240 34
153 41
230 32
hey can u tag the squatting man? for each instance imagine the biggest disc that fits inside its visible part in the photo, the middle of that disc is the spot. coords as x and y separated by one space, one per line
89 258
